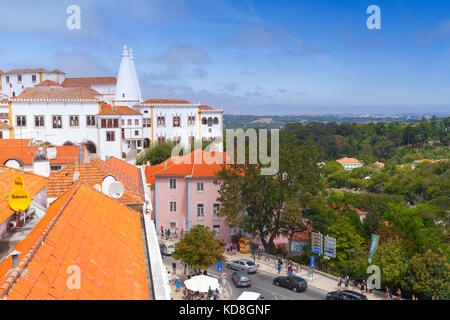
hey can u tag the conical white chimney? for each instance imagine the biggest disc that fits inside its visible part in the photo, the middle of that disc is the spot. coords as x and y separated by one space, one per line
126 91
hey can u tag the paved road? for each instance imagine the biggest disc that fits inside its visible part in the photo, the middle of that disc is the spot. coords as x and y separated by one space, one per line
261 283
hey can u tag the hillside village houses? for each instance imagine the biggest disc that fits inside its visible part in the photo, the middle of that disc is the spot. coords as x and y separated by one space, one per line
107 115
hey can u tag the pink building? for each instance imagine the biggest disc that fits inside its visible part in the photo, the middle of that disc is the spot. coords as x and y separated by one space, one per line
184 194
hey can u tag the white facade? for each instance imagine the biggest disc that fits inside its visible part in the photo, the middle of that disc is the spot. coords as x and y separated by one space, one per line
13 83
76 113
64 130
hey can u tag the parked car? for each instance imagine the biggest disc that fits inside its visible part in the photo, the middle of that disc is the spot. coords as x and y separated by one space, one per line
250 295
241 279
345 295
242 264
294 283
167 250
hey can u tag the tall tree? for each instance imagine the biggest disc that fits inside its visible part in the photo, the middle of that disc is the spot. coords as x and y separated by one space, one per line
199 248
256 201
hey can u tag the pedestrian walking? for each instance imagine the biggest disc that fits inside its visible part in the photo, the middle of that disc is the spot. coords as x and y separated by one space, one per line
387 293
399 294
231 249
174 268
339 283
169 276
347 280
363 286
279 268
168 233
355 285
177 284
185 267
228 248
162 232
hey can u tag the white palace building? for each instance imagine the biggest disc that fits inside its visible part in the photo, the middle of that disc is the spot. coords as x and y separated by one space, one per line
106 114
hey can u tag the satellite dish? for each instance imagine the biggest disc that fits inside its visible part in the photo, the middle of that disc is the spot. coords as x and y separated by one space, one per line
51 152
13 163
106 182
116 190
76 176
98 187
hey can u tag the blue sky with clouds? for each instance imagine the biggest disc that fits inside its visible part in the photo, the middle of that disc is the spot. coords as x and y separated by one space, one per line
248 56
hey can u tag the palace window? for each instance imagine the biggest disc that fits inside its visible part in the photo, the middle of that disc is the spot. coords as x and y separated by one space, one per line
172 184
216 120
136 132
147 122
33 78
74 121
129 122
191 120
56 122
90 121
161 121
161 139
110 136
176 121
177 140
136 122
39 121
21 121
19 78
200 187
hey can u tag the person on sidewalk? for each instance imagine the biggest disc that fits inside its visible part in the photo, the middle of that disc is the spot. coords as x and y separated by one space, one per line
169 276
347 280
355 284
339 283
162 232
174 268
399 294
387 294
177 284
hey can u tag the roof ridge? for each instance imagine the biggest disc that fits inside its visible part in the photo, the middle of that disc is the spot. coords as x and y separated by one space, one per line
17 271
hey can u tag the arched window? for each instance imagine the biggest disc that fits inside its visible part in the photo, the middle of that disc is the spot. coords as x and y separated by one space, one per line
209 122
204 121
216 120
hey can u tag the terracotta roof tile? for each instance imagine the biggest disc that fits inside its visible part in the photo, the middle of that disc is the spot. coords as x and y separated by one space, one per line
88 82
27 70
117 110
48 83
21 149
348 160
112 266
166 101
93 173
57 93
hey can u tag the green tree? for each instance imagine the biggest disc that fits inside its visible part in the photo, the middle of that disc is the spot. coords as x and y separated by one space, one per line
393 262
199 248
256 201
292 220
430 275
347 238
156 154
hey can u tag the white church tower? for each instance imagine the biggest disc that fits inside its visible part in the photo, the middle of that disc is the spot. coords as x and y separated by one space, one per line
128 92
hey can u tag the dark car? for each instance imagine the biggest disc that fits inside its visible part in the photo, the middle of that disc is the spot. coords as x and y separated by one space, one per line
241 279
345 295
294 283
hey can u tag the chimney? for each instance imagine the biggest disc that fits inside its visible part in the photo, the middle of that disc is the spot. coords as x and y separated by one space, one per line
41 163
15 258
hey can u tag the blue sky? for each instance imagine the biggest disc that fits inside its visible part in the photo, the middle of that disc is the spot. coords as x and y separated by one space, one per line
248 56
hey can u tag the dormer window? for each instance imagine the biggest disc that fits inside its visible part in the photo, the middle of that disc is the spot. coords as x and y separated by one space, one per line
33 78
19 78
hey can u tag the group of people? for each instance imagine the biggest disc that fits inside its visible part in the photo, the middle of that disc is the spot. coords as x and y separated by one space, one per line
345 282
165 233
210 295
230 247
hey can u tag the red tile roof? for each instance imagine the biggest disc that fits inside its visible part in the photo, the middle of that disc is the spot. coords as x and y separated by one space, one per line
88 82
197 164
21 149
93 173
103 241
48 83
33 183
348 160
57 93
117 110
27 70
166 101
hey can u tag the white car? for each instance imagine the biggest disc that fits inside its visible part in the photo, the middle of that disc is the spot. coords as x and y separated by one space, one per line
250 295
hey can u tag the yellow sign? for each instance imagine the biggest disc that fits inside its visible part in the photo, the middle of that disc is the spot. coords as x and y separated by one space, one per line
19 199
